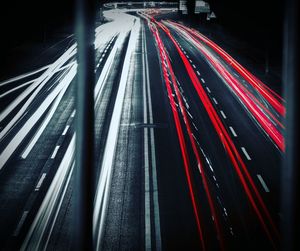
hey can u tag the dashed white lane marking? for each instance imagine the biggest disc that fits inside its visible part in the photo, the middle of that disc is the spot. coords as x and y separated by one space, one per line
73 114
245 152
39 184
190 60
184 52
187 104
187 56
198 73
232 131
208 89
202 79
66 129
223 114
194 66
195 126
55 152
215 101
20 224
190 114
263 183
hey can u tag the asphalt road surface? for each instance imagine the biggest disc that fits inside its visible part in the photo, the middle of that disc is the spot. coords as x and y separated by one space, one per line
188 145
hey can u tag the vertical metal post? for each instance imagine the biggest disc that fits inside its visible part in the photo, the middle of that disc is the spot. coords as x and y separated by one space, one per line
291 166
84 182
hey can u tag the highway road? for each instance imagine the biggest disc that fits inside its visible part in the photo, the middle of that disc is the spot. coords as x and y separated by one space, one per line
188 145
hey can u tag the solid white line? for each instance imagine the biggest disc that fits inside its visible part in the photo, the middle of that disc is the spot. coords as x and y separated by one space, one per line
155 193
215 101
55 152
66 129
245 152
146 160
198 73
20 224
202 79
263 183
208 90
147 194
153 161
39 184
223 114
233 131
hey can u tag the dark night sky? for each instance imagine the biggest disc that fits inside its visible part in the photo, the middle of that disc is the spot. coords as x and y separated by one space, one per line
26 19
250 15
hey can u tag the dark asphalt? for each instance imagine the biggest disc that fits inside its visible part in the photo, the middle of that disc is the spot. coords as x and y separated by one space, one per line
126 212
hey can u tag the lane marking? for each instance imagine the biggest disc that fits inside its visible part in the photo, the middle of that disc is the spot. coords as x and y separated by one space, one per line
146 166
215 101
208 89
42 226
194 66
66 129
153 158
223 114
73 114
195 126
263 183
190 60
245 152
202 79
44 124
39 184
55 96
105 178
187 56
198 73
20 224
233 131
189 114
55 152
33 91
147 193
